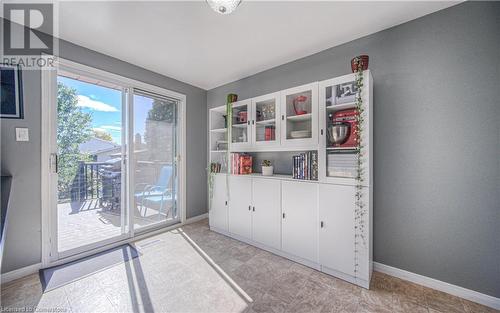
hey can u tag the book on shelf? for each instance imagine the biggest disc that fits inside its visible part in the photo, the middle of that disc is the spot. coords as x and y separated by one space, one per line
241 163
342 164
269 133
215 167
305 166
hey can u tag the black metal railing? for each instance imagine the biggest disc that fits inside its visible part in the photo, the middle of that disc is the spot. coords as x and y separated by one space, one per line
87 183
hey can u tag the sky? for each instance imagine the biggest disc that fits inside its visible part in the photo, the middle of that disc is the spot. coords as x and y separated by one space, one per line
105 105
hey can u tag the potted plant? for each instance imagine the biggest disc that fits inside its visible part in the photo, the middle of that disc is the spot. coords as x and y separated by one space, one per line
267 168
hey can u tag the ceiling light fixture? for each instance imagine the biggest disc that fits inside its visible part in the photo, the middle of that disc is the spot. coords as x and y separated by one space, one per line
224 6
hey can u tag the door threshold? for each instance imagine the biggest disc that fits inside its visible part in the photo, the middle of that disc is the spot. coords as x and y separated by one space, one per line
142 235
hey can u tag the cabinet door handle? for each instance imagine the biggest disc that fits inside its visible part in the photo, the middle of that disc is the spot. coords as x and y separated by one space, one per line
249 208
248 122
253 122
253 209
283 215
321 132
321 224
282 117
226 202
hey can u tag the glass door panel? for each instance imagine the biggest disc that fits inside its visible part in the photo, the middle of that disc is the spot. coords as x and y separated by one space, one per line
338 116
265 119
90 137
341 127
299 110
298 115
240 129
154 149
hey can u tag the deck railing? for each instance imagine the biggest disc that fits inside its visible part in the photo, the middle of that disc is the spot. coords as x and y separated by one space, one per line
88 182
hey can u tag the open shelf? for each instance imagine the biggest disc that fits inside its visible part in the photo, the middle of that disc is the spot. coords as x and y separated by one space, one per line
266 122
214 151
353 149
343 106
218 130
242 125
299 118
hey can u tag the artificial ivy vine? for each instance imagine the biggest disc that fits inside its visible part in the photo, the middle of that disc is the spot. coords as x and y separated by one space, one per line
360 206
229 118
225 159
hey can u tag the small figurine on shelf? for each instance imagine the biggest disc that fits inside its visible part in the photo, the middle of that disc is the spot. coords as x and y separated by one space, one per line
267 168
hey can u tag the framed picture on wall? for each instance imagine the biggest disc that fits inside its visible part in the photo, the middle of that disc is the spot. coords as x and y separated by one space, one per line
11 92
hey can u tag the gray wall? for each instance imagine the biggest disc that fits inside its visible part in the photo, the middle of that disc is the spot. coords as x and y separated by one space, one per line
437 147
22 160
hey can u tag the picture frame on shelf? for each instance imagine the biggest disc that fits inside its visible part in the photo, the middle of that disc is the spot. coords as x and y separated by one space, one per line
345 93
11 92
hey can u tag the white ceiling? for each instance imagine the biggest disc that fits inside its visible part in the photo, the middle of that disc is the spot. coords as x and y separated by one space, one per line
189 42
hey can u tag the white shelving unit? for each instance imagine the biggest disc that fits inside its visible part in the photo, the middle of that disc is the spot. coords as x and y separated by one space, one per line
217 137
310 222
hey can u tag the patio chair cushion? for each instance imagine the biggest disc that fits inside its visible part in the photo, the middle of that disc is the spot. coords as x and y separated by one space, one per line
142 194
156 201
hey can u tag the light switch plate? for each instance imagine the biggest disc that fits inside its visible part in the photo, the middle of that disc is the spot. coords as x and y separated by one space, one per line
22 134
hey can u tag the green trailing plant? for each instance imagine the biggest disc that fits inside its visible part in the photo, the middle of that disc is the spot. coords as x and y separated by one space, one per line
229 118
360 206
225 159
266 163
211 179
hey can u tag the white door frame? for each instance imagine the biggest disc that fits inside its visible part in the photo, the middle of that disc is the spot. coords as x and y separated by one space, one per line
49 179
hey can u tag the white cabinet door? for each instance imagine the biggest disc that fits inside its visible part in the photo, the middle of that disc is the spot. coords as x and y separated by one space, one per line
300 219
336 236
299 116
241 129
240 206
266 215
266 121
218 204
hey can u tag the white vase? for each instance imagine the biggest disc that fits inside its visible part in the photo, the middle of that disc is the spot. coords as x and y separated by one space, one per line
267 170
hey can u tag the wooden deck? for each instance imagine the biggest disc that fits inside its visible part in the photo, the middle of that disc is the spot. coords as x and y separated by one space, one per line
83 223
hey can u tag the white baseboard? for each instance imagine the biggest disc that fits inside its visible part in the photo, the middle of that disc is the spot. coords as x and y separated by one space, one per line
197 218
458 291
20 273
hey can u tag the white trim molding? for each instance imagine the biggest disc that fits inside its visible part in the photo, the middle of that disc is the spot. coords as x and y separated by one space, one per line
20 272
455 290
196 218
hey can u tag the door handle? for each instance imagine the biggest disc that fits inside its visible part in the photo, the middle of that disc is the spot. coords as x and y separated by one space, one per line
54 162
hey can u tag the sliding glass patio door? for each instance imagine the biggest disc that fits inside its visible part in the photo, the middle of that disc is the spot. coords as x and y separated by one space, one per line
114 154
91 209
154 162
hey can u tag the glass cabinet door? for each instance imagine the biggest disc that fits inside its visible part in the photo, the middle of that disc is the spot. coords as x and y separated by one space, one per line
338 128
240 129
265 122
299 115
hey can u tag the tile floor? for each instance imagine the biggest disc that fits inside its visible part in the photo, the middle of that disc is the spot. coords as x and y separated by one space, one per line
195 270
